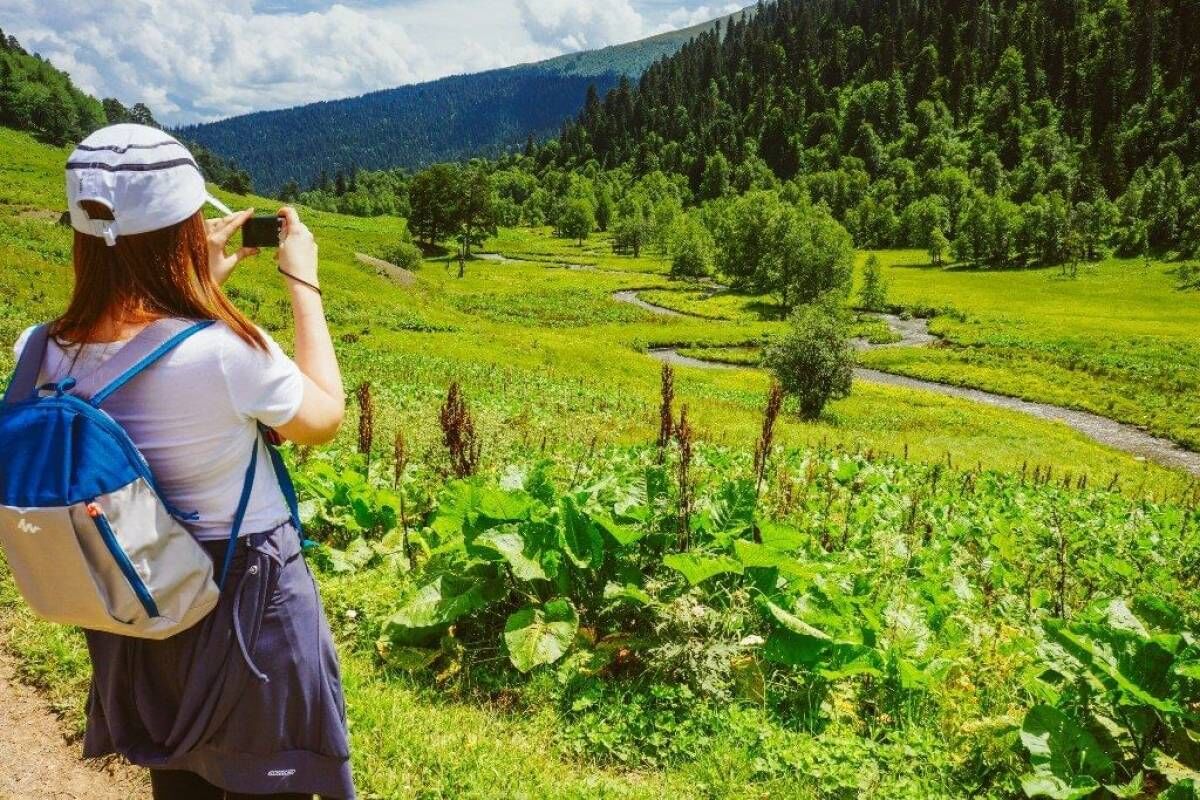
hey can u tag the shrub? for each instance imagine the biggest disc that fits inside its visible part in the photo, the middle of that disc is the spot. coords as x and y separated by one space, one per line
813 360
405 255
693 252
873 295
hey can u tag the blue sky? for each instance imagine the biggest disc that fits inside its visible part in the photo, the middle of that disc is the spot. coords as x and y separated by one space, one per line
195 60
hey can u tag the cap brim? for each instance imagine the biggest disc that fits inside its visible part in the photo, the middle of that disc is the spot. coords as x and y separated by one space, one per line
218 205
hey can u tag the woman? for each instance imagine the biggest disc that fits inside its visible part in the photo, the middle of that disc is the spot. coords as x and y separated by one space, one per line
248 702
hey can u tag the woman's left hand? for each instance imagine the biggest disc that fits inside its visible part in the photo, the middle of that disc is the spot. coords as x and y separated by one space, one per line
220 230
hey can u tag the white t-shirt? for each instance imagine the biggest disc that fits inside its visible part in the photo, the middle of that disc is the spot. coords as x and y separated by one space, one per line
194 416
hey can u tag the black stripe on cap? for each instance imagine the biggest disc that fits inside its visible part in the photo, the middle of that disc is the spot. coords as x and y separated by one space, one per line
175 162
117 148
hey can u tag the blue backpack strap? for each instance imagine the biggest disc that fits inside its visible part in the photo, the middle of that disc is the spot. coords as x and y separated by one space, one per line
23 384
159 338
286 487
239 515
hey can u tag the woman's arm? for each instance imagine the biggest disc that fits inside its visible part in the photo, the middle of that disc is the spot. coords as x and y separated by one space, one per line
324 403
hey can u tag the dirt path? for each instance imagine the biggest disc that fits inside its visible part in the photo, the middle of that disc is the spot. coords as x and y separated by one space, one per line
915 333
398 274
36 761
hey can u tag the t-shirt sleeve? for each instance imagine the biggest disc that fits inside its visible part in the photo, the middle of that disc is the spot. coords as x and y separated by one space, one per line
19 347
266 386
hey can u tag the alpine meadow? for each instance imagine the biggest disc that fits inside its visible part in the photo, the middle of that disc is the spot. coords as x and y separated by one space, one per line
813 412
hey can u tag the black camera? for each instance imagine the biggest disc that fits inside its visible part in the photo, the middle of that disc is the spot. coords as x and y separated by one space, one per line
262 231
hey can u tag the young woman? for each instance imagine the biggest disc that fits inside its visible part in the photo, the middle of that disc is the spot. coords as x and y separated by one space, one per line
247 703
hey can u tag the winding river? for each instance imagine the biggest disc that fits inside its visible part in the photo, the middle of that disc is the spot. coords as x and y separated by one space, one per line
915 333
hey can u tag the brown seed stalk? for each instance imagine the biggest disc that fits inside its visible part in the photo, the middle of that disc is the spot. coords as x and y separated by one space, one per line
366 420
458 433
684 437
766 438
665 412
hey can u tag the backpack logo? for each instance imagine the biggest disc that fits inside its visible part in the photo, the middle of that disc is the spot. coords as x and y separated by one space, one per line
281 773
25 526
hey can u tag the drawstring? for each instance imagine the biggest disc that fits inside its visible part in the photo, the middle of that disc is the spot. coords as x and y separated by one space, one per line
237 625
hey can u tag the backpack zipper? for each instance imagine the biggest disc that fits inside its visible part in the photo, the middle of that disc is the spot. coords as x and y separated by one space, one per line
114 547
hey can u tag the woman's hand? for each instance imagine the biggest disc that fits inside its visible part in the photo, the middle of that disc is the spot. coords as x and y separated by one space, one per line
324 403
220 230
297 254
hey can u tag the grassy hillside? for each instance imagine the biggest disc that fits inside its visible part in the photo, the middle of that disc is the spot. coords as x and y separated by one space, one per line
939 578
411 126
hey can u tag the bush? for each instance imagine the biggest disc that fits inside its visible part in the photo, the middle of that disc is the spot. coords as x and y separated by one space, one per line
873 295
693 252
405 255
813 360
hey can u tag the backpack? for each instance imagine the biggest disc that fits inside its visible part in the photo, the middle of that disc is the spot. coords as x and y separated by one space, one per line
89 538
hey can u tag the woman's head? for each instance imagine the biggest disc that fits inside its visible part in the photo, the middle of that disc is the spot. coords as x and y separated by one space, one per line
141 248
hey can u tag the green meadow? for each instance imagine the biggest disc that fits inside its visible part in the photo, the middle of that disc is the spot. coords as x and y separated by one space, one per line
938 524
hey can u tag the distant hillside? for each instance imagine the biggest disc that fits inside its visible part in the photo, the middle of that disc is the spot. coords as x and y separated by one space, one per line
411 126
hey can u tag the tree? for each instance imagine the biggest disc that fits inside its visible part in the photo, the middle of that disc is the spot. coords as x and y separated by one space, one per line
939 245
813 361
577 219
474 214
742 229
873 294
633 230
434 198
604 207
692 248
809 254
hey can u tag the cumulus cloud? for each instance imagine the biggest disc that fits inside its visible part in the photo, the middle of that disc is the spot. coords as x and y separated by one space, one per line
199 59
195 60
581 24
687 16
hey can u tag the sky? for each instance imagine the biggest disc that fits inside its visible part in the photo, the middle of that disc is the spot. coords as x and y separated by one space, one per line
199 60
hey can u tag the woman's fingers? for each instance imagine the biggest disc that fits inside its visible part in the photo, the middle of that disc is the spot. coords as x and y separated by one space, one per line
291 221
244 252
221 229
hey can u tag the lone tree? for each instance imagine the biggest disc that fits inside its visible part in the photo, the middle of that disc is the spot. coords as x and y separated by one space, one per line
693 252
873 294
474 213
577 220
813 360
939 245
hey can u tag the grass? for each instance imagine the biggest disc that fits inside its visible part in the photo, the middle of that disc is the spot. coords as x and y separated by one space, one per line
1118 340
551 363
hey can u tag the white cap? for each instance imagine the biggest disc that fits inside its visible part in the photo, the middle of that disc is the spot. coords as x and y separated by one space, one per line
145 177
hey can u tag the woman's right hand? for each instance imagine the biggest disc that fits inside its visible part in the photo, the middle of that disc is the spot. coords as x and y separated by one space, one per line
297 254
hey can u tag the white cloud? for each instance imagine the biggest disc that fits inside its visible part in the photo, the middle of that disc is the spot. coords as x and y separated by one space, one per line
194 60
687 16
198 59
581 24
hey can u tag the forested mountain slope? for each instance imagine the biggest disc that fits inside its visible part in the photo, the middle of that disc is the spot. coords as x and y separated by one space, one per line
972 118
411 126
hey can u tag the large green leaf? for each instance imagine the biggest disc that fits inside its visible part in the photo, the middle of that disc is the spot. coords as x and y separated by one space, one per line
780 537
444 601
536 636
1067 760
510 543
623 535
582 541
754 555
697 569
634 594
796 643
1184 790
1122 660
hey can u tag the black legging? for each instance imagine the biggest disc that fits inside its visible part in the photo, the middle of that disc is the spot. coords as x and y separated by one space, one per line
172 784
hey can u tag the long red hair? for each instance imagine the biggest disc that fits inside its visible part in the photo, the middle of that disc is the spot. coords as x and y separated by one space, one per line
145 276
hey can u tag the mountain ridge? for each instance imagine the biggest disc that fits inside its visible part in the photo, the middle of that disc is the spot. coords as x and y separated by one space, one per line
450 118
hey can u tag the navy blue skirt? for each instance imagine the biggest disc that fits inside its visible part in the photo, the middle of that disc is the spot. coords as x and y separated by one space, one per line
250 698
